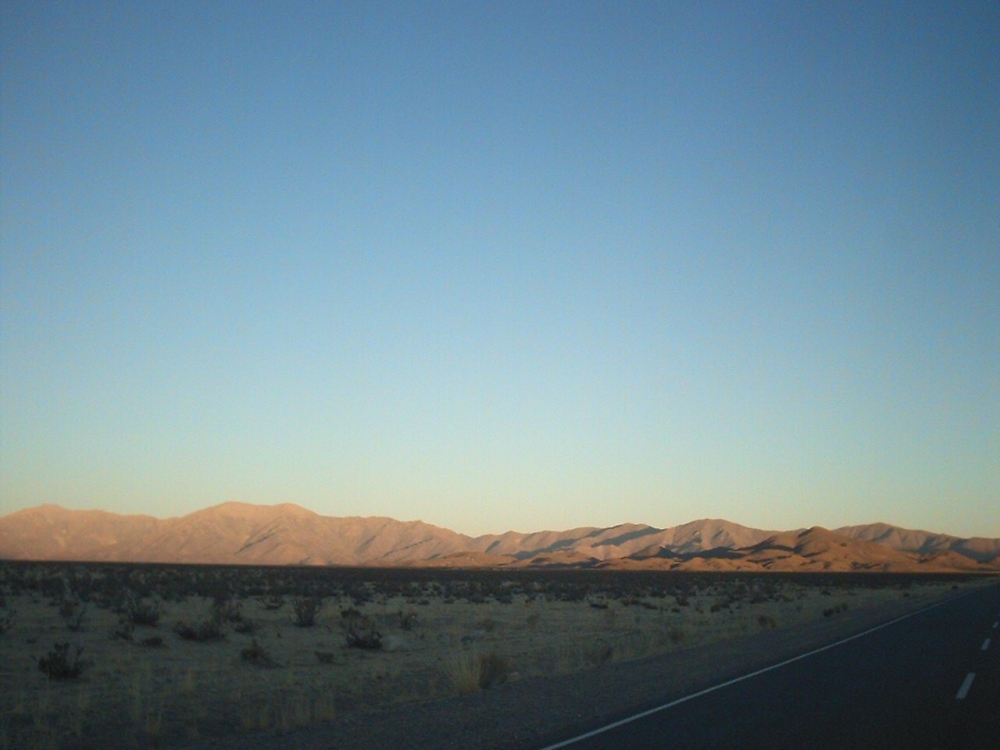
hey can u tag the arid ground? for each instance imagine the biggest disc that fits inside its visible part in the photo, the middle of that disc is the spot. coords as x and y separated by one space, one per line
171 656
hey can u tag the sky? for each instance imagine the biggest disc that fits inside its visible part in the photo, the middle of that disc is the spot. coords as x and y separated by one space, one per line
504 265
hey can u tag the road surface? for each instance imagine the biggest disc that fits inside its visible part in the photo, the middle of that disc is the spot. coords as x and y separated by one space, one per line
928 680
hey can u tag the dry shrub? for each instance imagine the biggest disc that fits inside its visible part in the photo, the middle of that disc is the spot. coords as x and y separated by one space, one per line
6 619
472 672
141 612
208 630
61 664
227 610
306 609
256 654
487 624
245 625
493 669
407 619
123 631
766 622
361 631
600 654
74 613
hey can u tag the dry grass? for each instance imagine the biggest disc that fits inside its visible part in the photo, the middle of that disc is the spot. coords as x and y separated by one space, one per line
472 671
184 690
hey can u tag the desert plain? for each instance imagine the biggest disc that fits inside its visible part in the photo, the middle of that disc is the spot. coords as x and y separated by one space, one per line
114 655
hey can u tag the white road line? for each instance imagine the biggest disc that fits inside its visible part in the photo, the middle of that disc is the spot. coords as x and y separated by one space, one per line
964 690
727 683
986 645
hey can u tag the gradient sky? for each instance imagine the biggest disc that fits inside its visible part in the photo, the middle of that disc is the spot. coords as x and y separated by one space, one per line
504 265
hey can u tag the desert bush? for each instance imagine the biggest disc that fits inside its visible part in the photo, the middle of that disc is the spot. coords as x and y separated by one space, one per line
245 626
676 635
226 610
123 630
271 603
324 657
153 641
471 672
208 630
493 669
306 608
63 664
361 631
836 610
74 613
487 623
407 619
140 611
6 619
766 622
600 654
256 654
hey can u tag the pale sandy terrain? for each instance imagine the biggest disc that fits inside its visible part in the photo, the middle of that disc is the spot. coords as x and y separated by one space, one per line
183 691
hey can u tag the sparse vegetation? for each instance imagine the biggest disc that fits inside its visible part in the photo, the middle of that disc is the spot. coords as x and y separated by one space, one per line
306 608
74 613
256 654
123 630
407 619
393 640
141 612
63 662
472 672
209 629
361 631
600 654
7 617
245 625
226 610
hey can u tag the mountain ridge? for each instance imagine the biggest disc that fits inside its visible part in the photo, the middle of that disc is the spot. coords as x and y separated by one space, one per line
287 534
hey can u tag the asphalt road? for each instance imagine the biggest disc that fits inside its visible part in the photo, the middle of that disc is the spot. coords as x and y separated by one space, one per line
904 685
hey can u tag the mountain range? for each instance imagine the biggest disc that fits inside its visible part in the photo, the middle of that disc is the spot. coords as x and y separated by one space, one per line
240 533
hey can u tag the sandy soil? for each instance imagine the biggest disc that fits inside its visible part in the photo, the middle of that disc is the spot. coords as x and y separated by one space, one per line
182 693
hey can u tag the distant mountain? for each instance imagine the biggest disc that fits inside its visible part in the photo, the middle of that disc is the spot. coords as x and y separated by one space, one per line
239 533
811 550
924 542
231 533
622 540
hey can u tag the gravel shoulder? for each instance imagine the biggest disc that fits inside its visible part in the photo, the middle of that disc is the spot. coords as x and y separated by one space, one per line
531 713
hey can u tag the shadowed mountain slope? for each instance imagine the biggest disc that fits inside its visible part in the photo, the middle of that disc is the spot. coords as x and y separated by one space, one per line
924 542
812 550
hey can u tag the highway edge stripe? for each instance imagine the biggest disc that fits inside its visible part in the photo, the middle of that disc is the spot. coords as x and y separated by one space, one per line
727 683
966 684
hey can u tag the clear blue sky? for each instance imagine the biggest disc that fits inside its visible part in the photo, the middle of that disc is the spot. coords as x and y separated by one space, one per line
504 265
